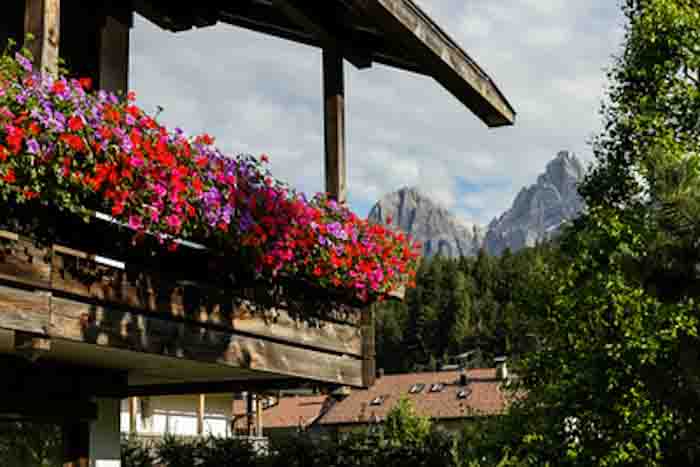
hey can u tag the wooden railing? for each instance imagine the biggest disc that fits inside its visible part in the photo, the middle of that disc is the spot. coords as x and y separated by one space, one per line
85 289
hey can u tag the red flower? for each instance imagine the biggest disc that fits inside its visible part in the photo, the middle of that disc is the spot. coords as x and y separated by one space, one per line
58 87
34 128
10 176
131 96
75 123
15 135
3 153
86 83
264 158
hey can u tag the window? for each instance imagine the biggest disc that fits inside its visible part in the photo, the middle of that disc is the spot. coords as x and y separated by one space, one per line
377 400
463 393
437 387
416 388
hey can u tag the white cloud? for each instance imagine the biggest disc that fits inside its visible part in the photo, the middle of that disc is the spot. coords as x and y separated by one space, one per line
548 36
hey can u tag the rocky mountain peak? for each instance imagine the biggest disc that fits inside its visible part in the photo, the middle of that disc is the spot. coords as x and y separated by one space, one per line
427 221
536 214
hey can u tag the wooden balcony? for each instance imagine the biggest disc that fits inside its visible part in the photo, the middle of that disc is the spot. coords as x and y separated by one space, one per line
166 321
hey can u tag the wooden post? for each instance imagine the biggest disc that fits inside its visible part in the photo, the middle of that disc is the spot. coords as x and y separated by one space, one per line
76 444
114 52
133 401
42 19
258 417
200 414
368 347
334 123
250 402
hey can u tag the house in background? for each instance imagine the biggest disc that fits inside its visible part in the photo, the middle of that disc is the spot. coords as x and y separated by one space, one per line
283 416
449 398
180 415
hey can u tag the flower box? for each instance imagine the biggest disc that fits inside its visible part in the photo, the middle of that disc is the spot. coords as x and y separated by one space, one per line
66 149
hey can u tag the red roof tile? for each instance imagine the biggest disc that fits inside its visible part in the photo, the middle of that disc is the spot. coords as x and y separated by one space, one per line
486 397
287 412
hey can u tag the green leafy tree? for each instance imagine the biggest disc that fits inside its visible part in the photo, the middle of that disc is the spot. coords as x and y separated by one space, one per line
616 379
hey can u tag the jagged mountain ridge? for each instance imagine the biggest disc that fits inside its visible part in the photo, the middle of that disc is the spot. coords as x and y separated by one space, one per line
536 214
433 225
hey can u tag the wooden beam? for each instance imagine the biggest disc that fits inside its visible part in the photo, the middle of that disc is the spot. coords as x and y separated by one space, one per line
42 19
211 387
114 54
47 408
441 57
31 346
133 402
334 124
76 444
201 408
330 34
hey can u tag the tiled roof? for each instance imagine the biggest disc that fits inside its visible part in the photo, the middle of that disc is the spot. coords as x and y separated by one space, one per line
287 412
486 397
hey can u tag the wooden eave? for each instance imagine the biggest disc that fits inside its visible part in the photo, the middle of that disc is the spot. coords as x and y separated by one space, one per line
396 33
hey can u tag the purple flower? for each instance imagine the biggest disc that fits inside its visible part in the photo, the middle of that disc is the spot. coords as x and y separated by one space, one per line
33 146
24 62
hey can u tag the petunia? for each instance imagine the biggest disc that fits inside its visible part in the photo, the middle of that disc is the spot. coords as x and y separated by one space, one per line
135 222
33 146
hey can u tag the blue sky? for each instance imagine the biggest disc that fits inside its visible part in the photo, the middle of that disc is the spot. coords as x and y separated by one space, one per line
260 94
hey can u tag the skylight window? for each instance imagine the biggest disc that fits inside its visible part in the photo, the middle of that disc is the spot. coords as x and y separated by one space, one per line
377 400
437 387
416 388
464 393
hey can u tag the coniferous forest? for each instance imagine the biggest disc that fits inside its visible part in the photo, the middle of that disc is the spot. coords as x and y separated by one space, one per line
472 307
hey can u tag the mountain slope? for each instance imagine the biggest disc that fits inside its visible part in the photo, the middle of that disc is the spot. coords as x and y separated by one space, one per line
434 226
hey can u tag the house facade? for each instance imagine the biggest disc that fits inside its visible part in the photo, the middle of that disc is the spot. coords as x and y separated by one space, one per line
448 398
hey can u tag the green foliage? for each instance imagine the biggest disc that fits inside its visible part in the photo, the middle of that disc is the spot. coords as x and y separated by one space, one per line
403 426
616 380
30 444
471 305
404 440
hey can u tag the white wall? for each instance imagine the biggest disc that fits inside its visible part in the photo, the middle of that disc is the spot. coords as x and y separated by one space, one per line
177 415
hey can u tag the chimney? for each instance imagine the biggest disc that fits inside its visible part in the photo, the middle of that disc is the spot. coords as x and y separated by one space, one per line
463 378
501 368
380 373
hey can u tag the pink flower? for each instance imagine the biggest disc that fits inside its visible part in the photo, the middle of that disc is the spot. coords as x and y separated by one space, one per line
135 222
155 214
173 221
136 161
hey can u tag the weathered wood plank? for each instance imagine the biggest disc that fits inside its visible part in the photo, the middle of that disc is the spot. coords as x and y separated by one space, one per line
24 310
334 124
102 326
22 262
279 324
42 19
76 273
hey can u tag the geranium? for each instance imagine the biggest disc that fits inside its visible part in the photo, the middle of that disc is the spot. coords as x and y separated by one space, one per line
68 147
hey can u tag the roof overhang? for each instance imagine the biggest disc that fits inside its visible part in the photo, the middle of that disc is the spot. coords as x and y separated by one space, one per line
396 33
